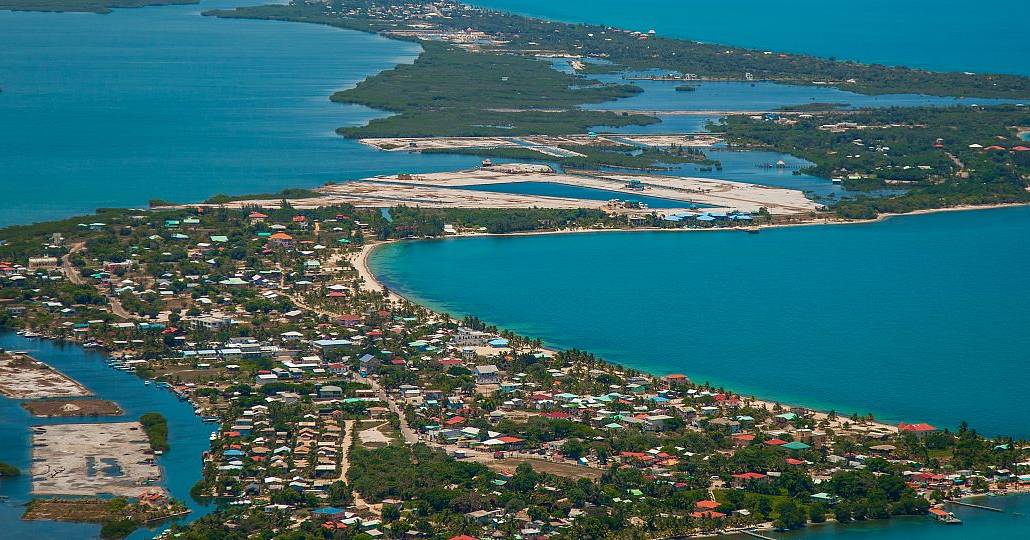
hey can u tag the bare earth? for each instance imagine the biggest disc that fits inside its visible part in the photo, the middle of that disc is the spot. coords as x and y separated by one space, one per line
444 190
72 407
23 377
89 459
548 145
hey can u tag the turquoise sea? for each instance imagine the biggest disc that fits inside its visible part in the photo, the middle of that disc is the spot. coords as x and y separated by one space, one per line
181 466
916 318
114 110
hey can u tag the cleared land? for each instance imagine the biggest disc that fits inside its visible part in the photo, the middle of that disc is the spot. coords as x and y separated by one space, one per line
90 459
24 377
72 407
547 145
444 190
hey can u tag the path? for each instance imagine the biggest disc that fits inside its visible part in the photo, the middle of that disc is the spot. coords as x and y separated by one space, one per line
348 438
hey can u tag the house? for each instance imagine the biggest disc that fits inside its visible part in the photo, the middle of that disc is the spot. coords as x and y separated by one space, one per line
281 239
349 320
368 365
256 217
742 479
919 430
330 391
467 337
327 345
42 263
488 374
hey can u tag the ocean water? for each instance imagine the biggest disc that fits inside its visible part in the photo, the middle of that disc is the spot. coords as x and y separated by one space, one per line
1014 522
181 466
113 110
942 35
916 318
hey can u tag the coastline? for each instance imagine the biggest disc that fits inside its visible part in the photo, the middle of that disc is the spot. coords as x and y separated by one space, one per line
369 282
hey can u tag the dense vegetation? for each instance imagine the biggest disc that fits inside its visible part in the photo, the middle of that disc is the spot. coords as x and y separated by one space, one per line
93 6
8 470
450 91
156 427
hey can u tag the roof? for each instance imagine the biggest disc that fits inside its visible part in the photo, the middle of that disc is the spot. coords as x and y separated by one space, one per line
916 428
281 236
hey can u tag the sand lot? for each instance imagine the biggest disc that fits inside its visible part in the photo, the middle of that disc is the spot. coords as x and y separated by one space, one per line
24 377
89 459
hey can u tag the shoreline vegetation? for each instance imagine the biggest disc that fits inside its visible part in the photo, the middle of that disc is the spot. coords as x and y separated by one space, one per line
84 6
155 425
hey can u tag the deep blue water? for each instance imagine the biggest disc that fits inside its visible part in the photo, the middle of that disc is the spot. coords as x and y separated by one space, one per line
940 35
549 189
181 466
918 318
113 110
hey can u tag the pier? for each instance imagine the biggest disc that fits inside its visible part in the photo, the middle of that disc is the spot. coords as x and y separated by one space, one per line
979 506
754 534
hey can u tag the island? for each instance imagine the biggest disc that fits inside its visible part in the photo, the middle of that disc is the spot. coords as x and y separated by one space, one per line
88 6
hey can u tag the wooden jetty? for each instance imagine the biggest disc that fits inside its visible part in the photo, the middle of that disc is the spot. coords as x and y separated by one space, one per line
971 505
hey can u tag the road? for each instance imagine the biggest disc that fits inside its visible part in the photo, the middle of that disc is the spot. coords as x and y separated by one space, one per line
70 272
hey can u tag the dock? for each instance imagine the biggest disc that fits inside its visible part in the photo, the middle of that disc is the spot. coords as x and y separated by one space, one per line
979 506
754 534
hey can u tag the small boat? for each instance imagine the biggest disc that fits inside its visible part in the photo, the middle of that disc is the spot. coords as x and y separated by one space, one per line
146 383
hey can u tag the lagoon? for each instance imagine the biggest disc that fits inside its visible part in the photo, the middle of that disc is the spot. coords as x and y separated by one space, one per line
916 318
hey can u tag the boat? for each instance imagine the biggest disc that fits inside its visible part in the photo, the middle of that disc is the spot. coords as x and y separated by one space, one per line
146 383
